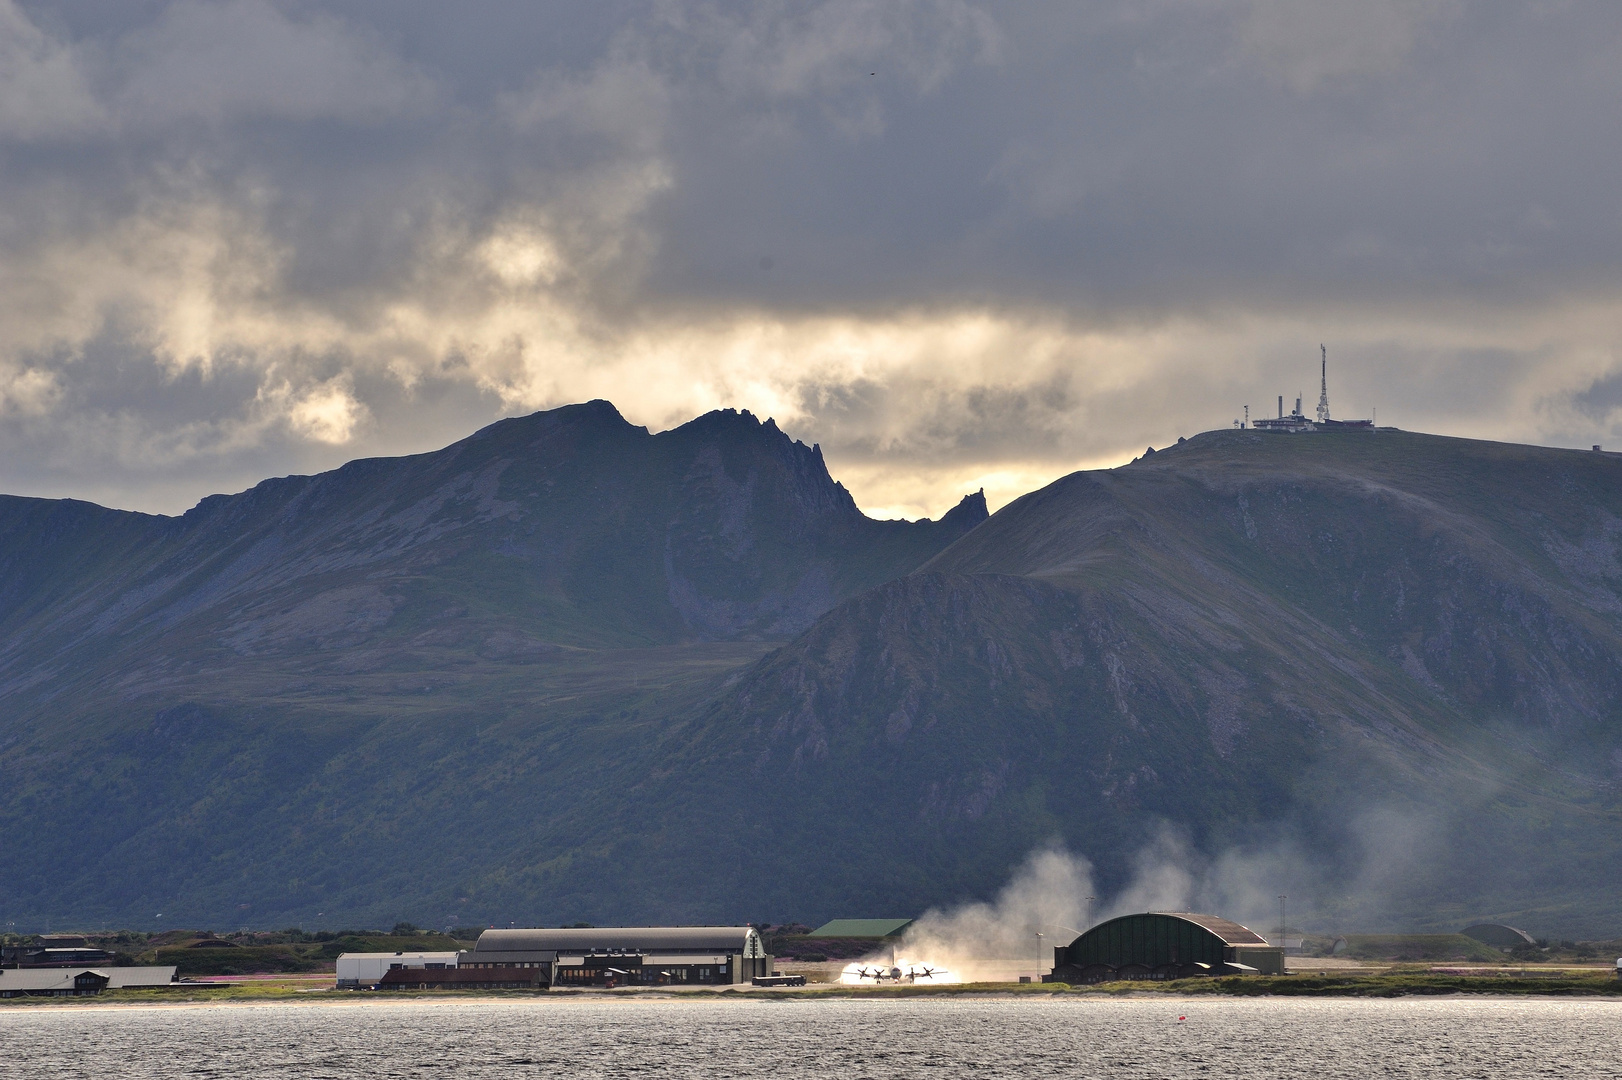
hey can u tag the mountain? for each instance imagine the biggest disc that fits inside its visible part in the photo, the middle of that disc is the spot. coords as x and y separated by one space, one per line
1381 672
199 711
567 670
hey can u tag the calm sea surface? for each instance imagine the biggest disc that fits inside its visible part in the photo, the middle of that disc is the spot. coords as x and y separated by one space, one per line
937 1039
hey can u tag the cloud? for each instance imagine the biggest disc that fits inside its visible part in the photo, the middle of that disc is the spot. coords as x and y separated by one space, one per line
1307 43
43 91
958 244
30 392
251 60
794 51
327 412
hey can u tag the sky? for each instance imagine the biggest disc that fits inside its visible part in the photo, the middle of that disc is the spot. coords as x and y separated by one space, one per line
958 244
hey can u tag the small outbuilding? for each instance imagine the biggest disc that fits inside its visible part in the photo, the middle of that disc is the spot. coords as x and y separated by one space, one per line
1165 945
876 929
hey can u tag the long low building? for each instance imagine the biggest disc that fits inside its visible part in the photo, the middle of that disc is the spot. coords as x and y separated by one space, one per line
78 982
628 955
368 969
583 956
1165 945
471 978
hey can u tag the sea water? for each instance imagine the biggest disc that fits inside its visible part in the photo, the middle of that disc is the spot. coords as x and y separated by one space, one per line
1159 1037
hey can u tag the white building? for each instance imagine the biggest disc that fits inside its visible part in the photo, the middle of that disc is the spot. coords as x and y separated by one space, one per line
368 968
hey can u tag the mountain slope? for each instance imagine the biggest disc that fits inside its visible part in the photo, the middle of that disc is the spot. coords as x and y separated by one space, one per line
251 704
573 522
567 670
1388 667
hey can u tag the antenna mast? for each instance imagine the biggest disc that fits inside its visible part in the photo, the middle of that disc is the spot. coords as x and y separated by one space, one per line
1323 386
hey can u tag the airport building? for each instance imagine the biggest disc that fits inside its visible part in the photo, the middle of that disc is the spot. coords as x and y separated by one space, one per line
368 969
56 981
1165 945
1499 936
862 929
629 955
585 956
455 978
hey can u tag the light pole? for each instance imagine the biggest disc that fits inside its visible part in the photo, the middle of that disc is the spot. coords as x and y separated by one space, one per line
1283 934
1040 959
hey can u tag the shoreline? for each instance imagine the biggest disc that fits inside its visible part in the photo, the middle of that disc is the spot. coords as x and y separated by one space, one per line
1594 987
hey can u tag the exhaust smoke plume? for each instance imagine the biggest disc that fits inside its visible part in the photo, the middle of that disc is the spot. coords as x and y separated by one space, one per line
1050 895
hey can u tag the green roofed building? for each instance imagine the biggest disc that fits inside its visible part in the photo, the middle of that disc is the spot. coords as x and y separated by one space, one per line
877 929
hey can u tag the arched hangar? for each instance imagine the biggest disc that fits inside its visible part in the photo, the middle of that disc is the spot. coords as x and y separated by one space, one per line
1165 945
1498 935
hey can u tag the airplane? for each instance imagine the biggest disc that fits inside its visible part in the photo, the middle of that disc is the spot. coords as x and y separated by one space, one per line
913 973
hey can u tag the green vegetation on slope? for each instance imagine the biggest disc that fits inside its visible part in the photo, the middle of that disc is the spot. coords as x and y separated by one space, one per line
567 670
361 695
1380 672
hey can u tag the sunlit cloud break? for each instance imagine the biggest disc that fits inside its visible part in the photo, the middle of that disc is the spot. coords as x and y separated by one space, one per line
960 246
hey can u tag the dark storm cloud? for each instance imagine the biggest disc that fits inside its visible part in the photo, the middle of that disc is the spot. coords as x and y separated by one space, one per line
957 243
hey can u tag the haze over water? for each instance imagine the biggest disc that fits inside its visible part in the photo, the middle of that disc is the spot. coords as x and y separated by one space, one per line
856 1038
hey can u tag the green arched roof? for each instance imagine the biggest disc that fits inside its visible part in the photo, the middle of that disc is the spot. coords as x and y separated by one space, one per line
1161 937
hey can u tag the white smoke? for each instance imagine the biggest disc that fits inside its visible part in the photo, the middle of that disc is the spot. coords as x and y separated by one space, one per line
1051 900
1242 884
1049 895
1163 877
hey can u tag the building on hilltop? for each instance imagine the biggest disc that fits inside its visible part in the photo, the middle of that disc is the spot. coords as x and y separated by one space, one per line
1289 424
1297 421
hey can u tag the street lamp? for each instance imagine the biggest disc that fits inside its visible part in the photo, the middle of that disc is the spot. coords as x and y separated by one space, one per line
1039 936
1283 934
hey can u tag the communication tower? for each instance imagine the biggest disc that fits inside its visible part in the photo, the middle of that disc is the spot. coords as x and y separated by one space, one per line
1323 386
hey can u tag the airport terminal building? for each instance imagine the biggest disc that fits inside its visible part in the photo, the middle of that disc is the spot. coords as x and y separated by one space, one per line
584 956
628 955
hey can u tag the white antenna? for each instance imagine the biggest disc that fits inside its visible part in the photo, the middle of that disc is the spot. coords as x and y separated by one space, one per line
1323 387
